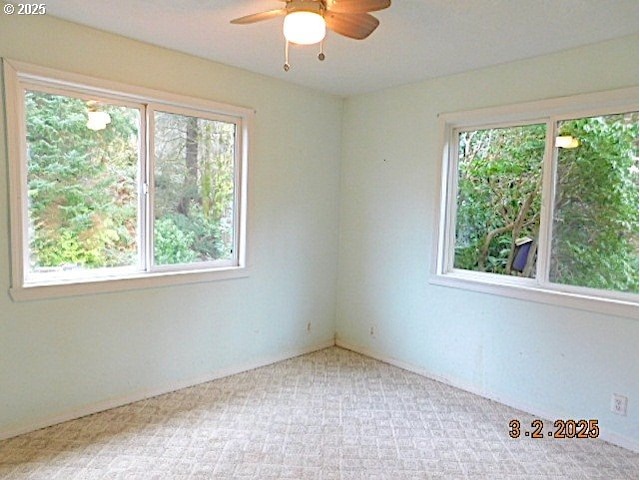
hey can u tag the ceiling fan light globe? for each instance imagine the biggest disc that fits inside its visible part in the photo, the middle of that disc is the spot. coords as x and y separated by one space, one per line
304 28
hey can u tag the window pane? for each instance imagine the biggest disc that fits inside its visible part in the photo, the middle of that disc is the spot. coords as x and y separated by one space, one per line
595 223
82 184
194 189
498 204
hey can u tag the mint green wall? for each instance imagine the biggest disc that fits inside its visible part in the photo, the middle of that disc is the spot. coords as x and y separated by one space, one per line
59 356
558 361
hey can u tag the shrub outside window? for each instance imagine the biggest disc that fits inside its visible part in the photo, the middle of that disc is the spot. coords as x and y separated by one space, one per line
82 207
540 201
193 190
498 201
115 187
594 239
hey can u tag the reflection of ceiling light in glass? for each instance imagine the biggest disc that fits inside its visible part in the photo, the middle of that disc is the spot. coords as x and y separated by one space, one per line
96 119
567 141
304 28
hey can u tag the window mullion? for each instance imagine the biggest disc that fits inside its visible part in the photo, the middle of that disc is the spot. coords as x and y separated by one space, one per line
149 189
238 191
546 212
143 190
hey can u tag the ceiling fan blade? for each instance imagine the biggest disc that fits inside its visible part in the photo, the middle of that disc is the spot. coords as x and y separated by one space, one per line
357 6
258 17
353 25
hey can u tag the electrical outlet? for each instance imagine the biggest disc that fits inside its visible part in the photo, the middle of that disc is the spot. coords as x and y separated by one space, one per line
619 404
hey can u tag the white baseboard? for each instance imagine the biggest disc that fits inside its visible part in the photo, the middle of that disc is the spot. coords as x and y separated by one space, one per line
153 392
610 437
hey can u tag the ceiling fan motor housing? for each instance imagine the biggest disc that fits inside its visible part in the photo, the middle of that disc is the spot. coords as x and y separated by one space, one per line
313 6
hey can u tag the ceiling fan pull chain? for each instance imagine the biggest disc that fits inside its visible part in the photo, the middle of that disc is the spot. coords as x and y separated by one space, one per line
286 56
321 55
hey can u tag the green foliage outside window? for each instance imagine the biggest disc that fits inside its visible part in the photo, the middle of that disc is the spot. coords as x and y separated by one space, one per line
595 228
595 211
499 185
194 189
83 186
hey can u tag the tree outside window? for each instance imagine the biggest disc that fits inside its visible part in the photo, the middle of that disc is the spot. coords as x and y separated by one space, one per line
85 187
594 224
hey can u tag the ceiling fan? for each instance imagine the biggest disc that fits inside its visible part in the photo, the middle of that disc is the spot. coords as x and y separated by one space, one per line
306 21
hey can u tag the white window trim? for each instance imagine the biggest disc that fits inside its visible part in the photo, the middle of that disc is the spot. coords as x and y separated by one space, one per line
539 289
16 74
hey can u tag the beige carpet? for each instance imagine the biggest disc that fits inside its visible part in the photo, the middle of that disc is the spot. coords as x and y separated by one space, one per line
332 414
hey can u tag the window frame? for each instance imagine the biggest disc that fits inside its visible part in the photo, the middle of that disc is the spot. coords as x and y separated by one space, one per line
538 289
19 77
151 109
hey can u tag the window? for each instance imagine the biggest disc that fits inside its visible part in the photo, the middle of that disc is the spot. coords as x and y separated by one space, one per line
81 188
540 201
193 189
114 187
498 201
594 240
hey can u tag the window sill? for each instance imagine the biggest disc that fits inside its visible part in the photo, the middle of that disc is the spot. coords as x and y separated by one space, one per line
525 289
75 287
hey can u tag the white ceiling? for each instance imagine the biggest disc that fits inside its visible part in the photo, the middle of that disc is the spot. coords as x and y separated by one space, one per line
416 39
